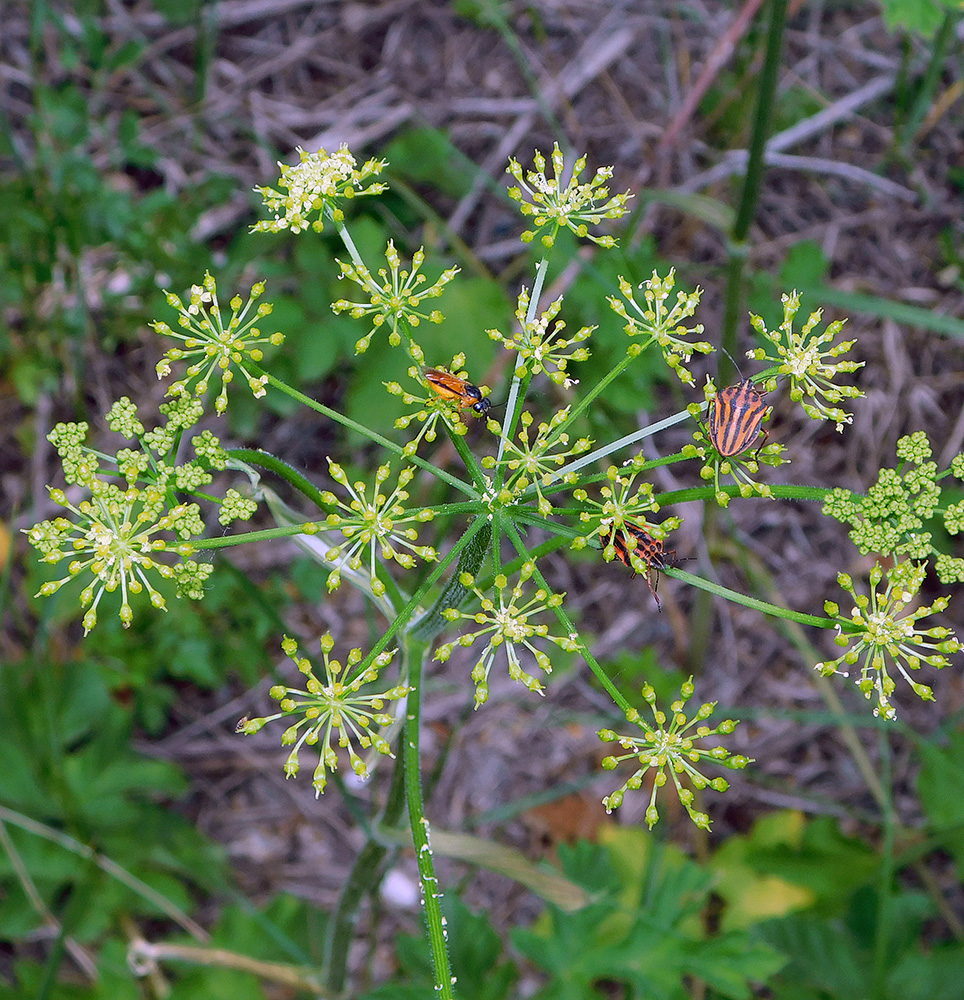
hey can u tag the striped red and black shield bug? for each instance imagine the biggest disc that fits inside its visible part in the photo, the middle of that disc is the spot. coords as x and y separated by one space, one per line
736 413
450 386
634 540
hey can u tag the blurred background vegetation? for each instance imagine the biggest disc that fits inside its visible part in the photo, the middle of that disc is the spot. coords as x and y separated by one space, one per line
130 815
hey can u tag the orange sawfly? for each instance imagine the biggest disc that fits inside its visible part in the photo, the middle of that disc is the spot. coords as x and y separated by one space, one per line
450 386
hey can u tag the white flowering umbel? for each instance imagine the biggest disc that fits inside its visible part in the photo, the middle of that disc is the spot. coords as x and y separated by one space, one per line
372 522
214 347
552 204
507 624
882 629
312 187
802 357
394 300
332 708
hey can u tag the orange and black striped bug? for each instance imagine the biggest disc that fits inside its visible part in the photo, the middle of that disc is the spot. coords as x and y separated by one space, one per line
736 413
633 540
450 386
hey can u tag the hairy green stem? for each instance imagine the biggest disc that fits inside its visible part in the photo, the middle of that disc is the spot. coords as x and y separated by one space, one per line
431 894
883 938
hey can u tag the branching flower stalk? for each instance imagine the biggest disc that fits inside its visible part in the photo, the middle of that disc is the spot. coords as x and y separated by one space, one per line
507 623
143 513
808 360
217 347
395 301
533 461
375 523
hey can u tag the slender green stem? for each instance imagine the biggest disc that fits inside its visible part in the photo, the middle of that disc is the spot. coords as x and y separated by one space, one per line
226 541
480 479
431 893
342 229
624 442
518 387
762 580
567 623
749 196
281 468
602 384
416 599
513 411
785 491
774 610
340 418
883 939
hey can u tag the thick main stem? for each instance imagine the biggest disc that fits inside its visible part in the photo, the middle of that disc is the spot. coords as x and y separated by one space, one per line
431 894
364 878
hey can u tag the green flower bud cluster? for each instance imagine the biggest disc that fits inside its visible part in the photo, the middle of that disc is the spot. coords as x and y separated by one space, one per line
624 501
802 357
891 519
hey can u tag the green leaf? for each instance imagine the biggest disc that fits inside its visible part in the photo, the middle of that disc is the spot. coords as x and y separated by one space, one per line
427 156
923 16
649 939
823 861
822 954
940 785
934 975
